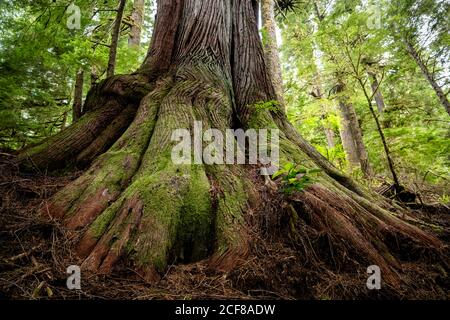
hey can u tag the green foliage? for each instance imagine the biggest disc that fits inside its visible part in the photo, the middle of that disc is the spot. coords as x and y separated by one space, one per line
40 57
343 43
294 177
271 105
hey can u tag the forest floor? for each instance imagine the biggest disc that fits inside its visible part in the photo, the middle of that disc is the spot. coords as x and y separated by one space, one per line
35 253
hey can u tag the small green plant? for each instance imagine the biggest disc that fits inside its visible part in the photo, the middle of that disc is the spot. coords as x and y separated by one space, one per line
444 199
271 105
294 177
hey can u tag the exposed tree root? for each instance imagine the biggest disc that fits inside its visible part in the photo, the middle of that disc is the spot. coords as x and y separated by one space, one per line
135 206
103 121
289 255
135 201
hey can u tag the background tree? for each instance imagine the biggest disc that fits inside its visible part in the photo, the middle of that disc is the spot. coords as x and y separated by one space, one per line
413 22
271 47
115 39
137 22
33 107
411 119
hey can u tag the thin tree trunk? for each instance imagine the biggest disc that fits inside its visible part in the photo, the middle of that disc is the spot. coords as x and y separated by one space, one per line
115 39
271 48
382 136
137 17
319 15
377 92
428 75
78 96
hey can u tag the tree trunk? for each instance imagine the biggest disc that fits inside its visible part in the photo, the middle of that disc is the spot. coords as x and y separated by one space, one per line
115 35
377 92
272 58
387 152
329 134
350 126
78 96
135 206
64 121
428 75
94 75
348 143
137 17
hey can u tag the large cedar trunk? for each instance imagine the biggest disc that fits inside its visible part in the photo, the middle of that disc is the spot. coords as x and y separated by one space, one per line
134 204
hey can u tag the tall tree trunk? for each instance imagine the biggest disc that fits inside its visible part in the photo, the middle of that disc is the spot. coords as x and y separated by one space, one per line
377 92
271 47
115 35
350 125
135 206
428 75
137 17
78 96
348 143
329 134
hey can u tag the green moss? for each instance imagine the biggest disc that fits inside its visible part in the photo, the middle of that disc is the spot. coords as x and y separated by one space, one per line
261 119
98 227
177 215
231 205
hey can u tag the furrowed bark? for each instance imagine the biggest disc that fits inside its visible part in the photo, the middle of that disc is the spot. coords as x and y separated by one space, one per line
348 142
161 48
103 104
